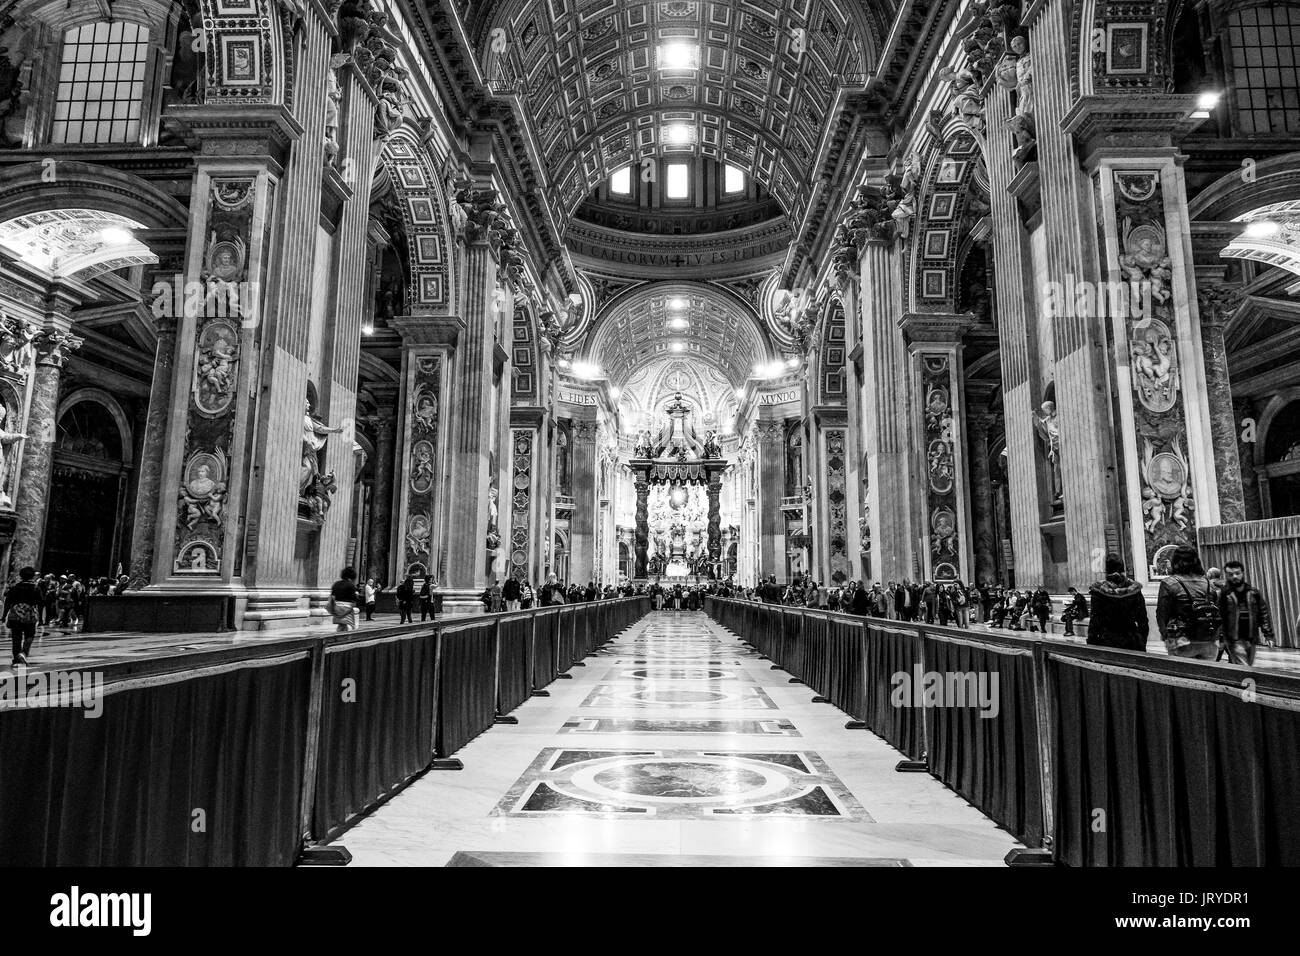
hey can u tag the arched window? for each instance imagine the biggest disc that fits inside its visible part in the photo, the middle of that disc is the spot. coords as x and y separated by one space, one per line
100 93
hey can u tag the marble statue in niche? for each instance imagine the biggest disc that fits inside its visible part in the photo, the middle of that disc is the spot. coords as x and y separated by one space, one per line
333 97
711 447
15 336
8 439
1050 433
417 534
203 488
315 487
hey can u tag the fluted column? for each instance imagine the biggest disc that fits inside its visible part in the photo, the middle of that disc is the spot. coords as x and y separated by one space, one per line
1018 310
1090 488
885 413
150 466
32 500
1217 304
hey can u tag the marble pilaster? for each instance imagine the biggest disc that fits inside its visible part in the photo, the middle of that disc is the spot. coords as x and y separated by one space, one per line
979 421
379 553
1244 409
769 444
934 342
150 467
583 526
32 499
1217 304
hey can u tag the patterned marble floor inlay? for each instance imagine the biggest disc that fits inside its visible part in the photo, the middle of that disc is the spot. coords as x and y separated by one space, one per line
677 784
776 727
709 695
677 745
643 673
506 858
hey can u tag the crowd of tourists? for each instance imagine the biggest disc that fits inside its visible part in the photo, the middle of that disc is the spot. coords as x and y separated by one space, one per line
1214 615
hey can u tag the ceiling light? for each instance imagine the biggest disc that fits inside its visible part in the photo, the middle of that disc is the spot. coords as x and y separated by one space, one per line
1262 229
565 363
367 329
586 370
792 362
115 236
677 56
614 393
679 134
677 347
677 303
1207 101
740 391
679 323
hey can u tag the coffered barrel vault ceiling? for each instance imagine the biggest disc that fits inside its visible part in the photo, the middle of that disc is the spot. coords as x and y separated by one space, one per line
758 94
638 328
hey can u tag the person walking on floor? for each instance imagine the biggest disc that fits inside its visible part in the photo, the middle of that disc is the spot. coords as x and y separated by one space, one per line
22 613
426 598
1190 622
1119 611
343 600
929 601
510 593
370 595
405 599
1245 616
494 596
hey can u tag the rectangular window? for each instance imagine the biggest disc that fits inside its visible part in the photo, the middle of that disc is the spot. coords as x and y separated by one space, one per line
101 84
1265 94
620 183
679 183
733 180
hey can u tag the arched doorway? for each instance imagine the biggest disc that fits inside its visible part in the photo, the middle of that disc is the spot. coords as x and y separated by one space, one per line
92 459
1280 469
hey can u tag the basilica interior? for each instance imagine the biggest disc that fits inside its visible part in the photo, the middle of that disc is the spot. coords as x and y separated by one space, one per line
636 291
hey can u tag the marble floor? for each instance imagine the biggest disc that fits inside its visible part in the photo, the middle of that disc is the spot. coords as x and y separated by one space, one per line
676 745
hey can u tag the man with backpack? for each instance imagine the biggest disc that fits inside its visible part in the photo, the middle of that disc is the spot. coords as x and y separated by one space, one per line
1190 623
405 599
22 612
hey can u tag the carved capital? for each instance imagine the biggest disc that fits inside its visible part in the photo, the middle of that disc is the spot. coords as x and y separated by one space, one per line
586 431
1218 301
769 432
53 346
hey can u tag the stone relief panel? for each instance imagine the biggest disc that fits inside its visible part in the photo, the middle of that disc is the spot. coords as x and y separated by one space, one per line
521 502
841 568
421 477
1168 511
940 466
205 470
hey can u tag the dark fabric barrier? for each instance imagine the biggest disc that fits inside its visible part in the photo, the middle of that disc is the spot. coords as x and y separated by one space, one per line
545 654
984 744
846 640
816 665
1185 775
377 716
512 664
130 787
893 651
466 684
564 646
